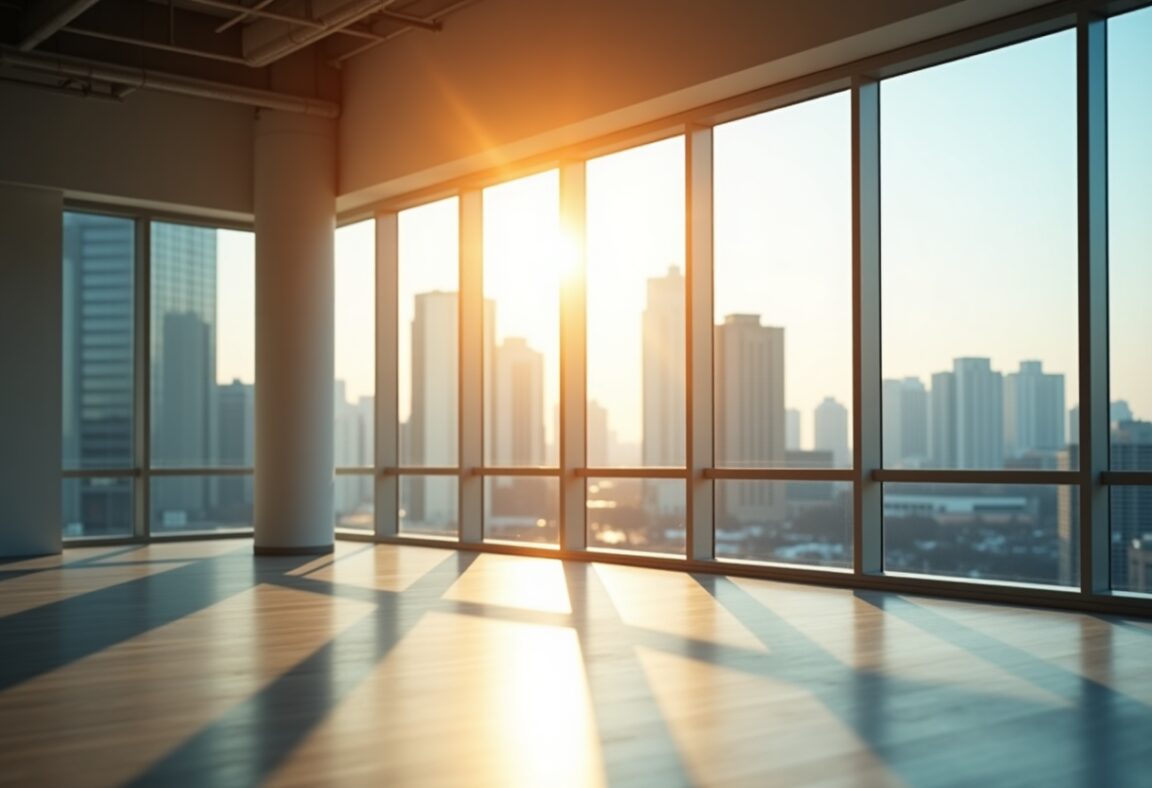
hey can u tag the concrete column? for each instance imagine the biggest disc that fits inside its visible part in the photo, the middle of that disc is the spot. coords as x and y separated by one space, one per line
295 225
31 226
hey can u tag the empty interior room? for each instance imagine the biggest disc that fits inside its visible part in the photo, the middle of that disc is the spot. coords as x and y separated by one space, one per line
574 392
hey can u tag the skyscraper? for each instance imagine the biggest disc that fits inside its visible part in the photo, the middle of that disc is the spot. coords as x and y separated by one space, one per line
1130 506
663 374
432 426
750 420
663 384
518 394
831 431
98 350
183 373
235 410
1033 410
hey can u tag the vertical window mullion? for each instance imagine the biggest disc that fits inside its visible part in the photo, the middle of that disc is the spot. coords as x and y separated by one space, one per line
387 375
573 357
142 371
1092 199
699 510
471 381
867 520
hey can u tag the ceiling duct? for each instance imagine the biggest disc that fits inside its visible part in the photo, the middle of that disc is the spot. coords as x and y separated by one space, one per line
269 40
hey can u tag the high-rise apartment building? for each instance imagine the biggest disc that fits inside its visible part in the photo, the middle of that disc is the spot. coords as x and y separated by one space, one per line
792 429
967 416
1033 410
942 420
830 427
979 414
750 414
599 445
905 417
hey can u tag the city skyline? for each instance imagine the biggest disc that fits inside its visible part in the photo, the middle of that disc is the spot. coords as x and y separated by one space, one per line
789 261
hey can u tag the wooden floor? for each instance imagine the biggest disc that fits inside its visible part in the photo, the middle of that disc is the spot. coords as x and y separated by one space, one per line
197 664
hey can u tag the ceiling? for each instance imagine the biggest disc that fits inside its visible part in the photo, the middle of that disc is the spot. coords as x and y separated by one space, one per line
103 48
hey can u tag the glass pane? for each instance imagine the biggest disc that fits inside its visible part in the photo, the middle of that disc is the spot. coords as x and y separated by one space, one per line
1130 241
979 244
429 505
429 279
1013 532
354 400
522 509
203 346
96 507
355 502
99 346
635 303
783 284
186 504
522 267
784 522
646 515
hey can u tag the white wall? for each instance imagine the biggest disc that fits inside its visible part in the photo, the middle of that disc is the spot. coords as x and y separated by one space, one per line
508 79
151 149
30 370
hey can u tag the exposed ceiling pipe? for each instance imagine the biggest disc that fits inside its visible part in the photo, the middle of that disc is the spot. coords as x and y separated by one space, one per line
140 42
78 90
433 22
259 10
42 20
243 16
284 43
414 21
168 83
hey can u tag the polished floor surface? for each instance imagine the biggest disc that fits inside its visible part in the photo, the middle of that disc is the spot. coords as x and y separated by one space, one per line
197 664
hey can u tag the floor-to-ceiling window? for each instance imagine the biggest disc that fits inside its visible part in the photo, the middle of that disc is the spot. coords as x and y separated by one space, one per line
354 398
979 310
201 378
157 442
427 315
521 356
1130 287
636 344
782 310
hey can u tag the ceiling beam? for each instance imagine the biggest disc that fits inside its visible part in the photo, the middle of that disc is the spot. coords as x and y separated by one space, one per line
45 18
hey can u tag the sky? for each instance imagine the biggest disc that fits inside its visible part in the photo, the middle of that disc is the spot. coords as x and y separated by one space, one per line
978 236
